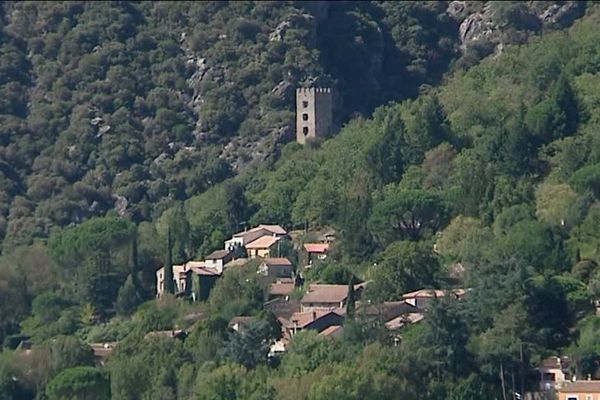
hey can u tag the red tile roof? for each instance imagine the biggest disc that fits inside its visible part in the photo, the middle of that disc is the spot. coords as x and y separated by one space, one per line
325 294
316 247
276 229
431 293
264 242
581 387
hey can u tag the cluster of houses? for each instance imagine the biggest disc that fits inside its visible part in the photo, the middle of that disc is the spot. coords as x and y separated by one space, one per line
194 279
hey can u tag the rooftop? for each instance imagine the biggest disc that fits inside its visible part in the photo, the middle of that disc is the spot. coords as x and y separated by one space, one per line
277 261
275 229
205 271
217 255
403 320
318 293
241 320
581 386
303 319
316 247
332 330
263 242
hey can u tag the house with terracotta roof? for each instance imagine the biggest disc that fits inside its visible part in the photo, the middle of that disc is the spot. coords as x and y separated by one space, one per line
554 373
327 297
217 259
262 247
404 320
314 320
380 313
276 267
192 278
180 278
241 239
423 297
580 390
316 251
102 351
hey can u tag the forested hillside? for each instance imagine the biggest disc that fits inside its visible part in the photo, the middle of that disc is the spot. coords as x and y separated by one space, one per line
137 133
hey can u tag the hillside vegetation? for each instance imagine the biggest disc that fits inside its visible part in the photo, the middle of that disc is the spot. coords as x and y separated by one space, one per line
484 178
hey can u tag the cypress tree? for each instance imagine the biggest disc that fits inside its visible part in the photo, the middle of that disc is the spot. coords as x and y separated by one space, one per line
169 282
351 302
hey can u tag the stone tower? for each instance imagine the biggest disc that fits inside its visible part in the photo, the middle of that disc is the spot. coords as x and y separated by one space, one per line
314 113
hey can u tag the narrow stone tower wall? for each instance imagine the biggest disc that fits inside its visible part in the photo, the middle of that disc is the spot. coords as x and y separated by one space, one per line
314 113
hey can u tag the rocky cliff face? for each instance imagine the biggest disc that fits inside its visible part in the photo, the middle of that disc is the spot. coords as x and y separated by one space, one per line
486 27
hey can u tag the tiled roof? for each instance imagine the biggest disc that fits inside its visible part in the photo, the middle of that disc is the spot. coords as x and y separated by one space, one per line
276 229
325 294
241 234
316 247
217 255
303 319
264 242
277 261
581 387
332 330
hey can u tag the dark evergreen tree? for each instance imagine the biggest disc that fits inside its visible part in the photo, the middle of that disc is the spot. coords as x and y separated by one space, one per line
169 279
351 301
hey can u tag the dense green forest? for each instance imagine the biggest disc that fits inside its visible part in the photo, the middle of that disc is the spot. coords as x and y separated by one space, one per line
135 133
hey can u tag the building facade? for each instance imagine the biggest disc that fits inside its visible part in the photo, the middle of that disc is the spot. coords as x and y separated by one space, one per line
314 113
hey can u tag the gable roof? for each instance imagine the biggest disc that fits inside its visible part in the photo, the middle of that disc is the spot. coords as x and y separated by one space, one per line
264 242
318 293
217 255
253 230
316 247
302 320
275 229
277 261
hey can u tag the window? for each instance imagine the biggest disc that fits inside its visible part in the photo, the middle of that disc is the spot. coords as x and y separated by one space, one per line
305 104
305 117
305 130
572 397
589 397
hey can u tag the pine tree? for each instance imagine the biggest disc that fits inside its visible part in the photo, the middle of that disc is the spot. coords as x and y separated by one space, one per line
169 282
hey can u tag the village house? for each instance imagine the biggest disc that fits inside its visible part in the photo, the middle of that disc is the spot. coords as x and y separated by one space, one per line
327 297
192 278
423 297
554 373
580 390
279 267
242 239
314 320
180 278
218 259
168 334
316 251
262 247
384 312
404 320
